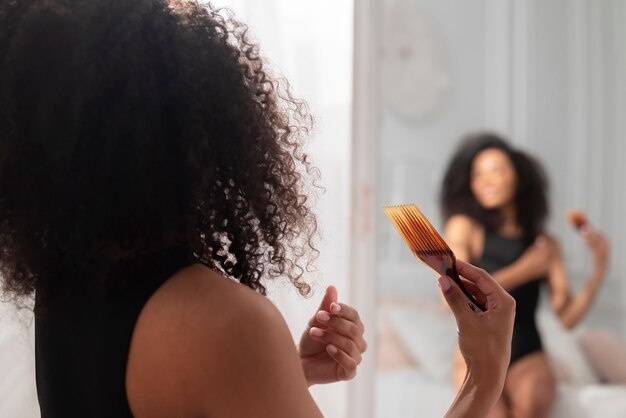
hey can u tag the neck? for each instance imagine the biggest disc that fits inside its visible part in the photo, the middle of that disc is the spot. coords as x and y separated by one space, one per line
508 216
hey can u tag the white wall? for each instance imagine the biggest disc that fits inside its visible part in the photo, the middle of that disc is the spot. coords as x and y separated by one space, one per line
413 150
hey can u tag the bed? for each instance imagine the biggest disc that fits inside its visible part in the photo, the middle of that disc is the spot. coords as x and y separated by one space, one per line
413 375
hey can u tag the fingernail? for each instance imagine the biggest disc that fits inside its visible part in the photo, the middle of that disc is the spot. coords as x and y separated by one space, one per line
444 283
332 348
335 307
323 316
316 332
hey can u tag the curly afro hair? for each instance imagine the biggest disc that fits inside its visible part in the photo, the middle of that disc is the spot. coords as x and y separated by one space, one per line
128 127
531 198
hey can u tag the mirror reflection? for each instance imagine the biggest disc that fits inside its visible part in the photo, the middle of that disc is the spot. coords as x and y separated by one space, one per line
501 122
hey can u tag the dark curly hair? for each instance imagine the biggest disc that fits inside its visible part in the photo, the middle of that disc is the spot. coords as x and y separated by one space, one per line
131 126
532 186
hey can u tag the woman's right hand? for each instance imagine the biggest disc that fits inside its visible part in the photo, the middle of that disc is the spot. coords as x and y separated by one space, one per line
484 339
599 247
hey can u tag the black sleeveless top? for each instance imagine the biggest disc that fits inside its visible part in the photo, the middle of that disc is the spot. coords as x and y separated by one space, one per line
499 252
83 335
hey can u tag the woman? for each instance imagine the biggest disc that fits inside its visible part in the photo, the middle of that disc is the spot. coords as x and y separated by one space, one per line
152 179
495 205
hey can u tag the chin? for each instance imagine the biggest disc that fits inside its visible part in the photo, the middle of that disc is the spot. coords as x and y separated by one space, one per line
491 204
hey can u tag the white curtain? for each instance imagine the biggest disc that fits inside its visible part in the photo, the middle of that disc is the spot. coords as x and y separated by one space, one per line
310 43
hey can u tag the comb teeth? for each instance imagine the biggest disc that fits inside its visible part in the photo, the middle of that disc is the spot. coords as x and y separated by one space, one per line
418 233
427 245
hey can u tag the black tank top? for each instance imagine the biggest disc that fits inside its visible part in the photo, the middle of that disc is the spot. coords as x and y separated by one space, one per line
499 252
83 335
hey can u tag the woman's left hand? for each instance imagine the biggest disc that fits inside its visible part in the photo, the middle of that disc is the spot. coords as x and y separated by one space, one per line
599 247
331 347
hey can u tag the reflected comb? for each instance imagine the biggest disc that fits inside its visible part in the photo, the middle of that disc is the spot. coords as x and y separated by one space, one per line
426 243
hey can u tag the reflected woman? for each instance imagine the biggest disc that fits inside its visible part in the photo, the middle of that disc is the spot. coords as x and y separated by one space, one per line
495 206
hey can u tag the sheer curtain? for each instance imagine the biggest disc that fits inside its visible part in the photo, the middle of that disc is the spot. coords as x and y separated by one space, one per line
311 43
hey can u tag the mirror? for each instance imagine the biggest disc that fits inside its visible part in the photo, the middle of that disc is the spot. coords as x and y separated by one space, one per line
549 77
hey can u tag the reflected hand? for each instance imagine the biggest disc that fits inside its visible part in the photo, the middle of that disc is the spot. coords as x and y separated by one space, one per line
331 347
599 247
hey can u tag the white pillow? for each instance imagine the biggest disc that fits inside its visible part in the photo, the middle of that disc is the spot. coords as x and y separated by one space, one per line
564 352
606 401
592 401
411 393
429 334
606 353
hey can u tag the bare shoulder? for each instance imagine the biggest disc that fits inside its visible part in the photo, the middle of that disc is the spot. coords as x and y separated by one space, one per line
552 243
204 344
465 236
462 224
196 293
551 240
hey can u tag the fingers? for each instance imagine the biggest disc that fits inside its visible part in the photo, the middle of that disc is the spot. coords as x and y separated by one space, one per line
480 277
337 310
474 290
595 240
338 324
347 365
352 329
456 299
345 344
599 247
347 312
330 296
494 294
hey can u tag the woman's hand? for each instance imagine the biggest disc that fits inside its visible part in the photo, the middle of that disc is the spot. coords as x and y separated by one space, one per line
599 247
484 339
571 309
331 347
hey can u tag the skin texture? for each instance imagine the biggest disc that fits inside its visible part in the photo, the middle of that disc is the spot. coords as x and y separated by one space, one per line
206 346
529 388
226 351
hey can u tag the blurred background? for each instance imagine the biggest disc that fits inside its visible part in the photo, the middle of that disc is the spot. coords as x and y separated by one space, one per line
393 85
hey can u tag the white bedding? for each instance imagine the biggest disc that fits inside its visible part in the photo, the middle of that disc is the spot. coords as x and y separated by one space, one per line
427 333
408 393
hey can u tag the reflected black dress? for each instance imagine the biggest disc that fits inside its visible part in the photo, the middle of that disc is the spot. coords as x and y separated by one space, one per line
499 252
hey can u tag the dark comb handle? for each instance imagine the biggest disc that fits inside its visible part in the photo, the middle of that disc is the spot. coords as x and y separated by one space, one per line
454 275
